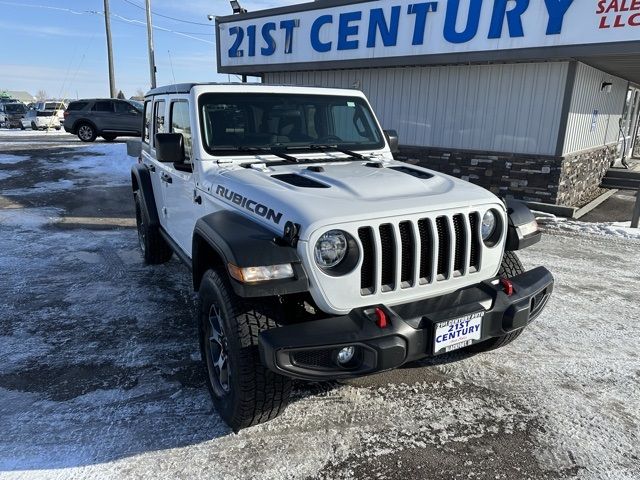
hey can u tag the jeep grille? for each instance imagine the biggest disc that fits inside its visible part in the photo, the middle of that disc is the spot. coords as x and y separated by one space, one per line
409 253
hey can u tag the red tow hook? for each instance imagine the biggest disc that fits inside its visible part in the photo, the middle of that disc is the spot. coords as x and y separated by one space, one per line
507 286
381 318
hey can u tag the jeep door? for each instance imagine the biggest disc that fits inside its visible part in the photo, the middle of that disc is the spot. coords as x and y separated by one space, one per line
154 123
127 118
181 199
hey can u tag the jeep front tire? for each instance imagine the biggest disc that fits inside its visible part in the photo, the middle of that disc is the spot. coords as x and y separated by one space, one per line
243 390
510 267
155 249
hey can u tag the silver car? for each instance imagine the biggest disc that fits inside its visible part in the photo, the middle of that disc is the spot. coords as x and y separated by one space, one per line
105 117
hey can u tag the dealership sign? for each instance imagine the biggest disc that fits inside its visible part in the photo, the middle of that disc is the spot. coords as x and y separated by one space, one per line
403 28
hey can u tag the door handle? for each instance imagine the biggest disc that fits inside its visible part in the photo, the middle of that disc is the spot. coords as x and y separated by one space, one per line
166 178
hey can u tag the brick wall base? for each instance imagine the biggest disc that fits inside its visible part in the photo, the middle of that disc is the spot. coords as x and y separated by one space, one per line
570 181
582 173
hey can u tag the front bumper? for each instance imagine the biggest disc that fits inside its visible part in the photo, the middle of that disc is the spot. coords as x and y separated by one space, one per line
13 122
308 350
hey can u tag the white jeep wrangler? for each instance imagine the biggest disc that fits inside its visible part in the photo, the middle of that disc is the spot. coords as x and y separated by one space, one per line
315 255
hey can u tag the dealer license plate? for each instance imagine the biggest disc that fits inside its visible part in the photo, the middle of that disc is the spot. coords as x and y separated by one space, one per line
457 333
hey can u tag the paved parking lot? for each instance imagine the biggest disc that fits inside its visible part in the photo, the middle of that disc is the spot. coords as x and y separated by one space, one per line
100 374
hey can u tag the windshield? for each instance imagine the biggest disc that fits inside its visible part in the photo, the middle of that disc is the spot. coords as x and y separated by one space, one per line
137 105
241 121
15 108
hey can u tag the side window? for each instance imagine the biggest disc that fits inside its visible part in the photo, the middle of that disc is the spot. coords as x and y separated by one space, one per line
158 116
123 107
147 121
349 124
179 123
102 106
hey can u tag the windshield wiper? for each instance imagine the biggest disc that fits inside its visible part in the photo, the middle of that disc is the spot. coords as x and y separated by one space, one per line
261 151
324 147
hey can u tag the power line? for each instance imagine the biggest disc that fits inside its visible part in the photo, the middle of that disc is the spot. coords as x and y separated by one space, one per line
114 16
16 4
157 27
167 16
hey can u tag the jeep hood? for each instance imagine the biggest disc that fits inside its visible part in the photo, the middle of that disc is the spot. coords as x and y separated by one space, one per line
324 194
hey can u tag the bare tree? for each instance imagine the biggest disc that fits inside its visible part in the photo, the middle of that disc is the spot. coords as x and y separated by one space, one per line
41 96
121 95
140 93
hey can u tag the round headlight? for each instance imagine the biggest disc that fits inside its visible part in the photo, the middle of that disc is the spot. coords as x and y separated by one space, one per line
489 224
331 249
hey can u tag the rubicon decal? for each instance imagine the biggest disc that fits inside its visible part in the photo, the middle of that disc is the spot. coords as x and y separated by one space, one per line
250 205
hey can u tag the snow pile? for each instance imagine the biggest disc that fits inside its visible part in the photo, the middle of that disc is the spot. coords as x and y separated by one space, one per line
553 223
110 163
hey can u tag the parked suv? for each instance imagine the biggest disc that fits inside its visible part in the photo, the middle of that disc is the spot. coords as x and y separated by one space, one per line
105 117
45 115
11 114
314 253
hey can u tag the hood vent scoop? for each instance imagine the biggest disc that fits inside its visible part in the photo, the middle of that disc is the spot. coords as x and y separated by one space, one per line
299 181
413 172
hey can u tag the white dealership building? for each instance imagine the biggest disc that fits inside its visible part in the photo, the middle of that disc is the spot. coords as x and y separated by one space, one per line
530 98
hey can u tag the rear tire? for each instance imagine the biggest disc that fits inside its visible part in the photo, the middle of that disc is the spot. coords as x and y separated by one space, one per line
244 391
155 249
510 267
86 132
22 126
34 126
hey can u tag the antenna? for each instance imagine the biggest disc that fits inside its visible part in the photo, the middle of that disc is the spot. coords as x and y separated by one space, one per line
175 85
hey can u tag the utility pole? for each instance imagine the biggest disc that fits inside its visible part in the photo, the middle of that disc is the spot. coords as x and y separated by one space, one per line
107 25
152 60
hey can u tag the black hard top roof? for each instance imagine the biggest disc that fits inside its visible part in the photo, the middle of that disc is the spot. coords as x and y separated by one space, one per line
186 87
181 88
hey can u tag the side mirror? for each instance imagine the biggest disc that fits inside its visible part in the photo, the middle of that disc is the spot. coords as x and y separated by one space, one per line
392 138
169 148
134 148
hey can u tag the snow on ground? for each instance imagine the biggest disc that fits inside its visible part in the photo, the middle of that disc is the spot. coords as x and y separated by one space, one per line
99 371
16 132
11 159
550 222
98 164
106 160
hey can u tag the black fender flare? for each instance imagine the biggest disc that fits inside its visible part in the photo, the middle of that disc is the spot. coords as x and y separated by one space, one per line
141 178
518 215
240 241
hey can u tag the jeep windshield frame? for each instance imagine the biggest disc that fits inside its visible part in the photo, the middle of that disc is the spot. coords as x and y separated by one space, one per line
233 124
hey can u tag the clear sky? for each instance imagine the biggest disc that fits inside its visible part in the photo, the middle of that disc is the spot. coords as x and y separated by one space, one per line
47 47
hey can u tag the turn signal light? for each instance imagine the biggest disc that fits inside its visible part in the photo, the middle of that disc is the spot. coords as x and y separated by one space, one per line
507 286
260 274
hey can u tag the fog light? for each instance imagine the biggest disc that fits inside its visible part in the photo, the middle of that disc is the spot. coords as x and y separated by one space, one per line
346 354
